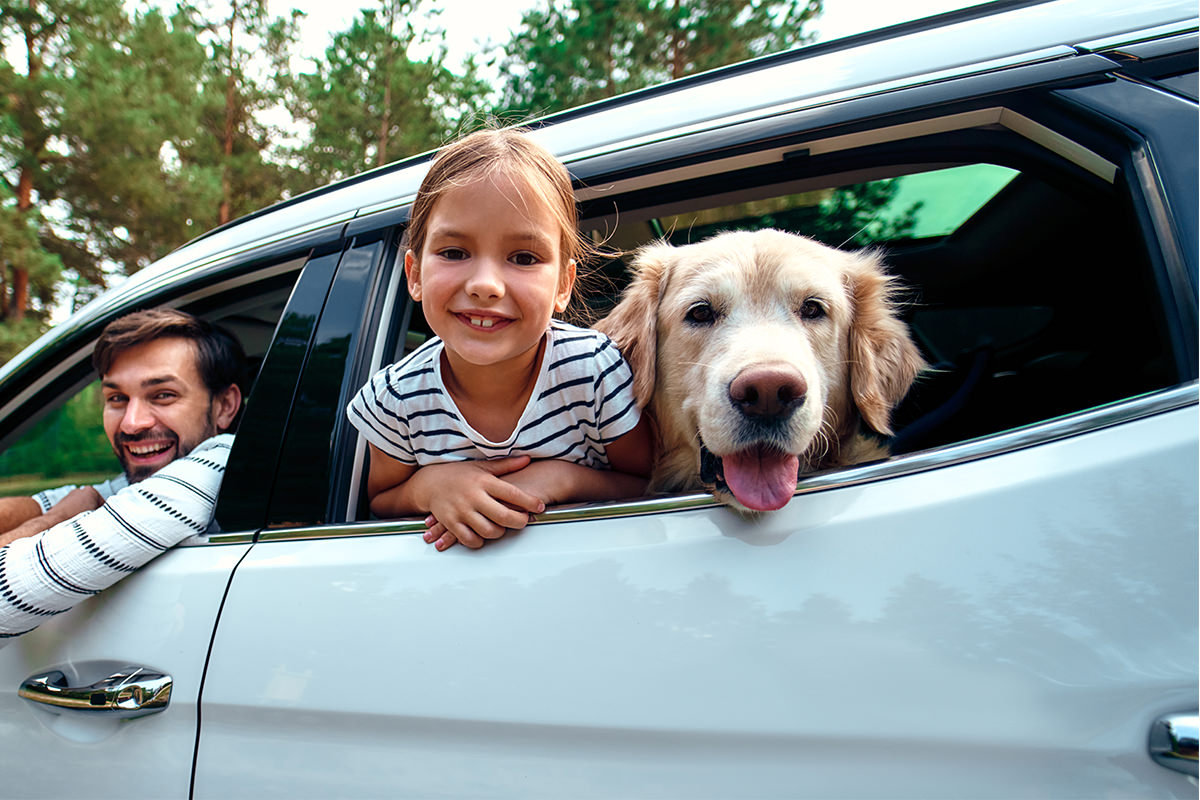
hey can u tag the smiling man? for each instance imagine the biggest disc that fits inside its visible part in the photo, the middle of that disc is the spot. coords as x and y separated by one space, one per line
171 388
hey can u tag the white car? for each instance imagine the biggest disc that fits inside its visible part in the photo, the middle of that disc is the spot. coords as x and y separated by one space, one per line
1004 608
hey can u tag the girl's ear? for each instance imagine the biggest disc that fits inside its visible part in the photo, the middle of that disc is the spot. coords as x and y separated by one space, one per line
566 284
412 271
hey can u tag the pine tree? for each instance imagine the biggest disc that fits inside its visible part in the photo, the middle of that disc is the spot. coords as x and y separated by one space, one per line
42 35
368 102
567 54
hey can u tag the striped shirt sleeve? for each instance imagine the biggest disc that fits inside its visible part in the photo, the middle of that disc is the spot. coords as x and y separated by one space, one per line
616 411
46 574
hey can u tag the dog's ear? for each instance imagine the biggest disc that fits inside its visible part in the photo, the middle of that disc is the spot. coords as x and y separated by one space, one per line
633 324
883 359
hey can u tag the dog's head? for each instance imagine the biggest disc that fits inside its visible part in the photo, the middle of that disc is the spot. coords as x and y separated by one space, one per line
758 353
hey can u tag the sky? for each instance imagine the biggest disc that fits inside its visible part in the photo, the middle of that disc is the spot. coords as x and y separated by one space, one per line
471 24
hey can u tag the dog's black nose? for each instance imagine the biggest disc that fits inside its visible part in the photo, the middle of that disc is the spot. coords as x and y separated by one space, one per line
769 392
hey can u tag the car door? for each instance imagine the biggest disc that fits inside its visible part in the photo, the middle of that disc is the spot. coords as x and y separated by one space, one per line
1006 608
71 691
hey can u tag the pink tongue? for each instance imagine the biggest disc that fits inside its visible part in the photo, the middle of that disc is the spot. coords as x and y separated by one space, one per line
761 480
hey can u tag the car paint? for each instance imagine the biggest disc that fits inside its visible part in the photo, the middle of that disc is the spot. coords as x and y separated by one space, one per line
1005 617
1006 628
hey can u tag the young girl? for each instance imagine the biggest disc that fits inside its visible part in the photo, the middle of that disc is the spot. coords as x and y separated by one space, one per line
507 410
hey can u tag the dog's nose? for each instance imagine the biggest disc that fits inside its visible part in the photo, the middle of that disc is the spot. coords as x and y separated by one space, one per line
768 391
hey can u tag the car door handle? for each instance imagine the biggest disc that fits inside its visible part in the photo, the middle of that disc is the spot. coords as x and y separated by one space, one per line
1173 742
129 692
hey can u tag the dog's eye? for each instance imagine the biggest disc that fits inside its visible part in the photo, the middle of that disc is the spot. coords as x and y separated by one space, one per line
700 314
812 309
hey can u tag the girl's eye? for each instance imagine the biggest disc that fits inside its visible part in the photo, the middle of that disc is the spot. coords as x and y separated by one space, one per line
701 313
812 309
525 259
453 253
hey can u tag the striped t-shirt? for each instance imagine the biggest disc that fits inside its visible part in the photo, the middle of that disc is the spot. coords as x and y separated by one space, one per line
583 401
49 572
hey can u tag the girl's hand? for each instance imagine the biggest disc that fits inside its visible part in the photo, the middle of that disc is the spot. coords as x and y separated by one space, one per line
472 502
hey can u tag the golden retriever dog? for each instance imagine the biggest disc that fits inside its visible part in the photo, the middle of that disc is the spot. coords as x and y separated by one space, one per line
761 355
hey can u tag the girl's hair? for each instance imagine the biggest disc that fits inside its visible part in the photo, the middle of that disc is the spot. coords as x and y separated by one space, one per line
506 151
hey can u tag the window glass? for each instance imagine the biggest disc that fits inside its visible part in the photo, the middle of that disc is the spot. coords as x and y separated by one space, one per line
1008 289
68 446
915 206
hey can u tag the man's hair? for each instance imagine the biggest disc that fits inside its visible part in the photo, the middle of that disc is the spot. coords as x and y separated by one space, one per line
220 359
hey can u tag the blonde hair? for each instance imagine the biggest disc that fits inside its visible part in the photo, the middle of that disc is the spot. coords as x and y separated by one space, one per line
510 152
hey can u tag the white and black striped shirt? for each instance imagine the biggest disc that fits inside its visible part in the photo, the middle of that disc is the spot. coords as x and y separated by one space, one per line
46 574
583 401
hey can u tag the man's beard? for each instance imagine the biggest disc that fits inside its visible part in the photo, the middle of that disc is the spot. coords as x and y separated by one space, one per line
136 472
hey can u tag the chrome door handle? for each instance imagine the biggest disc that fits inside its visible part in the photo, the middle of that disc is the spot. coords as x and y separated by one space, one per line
129 692
1173 742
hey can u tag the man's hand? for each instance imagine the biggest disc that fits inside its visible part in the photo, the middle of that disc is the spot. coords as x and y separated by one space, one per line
76 502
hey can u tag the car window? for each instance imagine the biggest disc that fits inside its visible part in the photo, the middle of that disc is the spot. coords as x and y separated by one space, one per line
64 441
990 216
68 446
1009 289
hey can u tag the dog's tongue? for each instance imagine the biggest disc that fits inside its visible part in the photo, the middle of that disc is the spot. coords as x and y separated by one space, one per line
761 479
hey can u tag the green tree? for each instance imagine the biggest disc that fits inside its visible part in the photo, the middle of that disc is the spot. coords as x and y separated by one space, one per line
567 54
368 102
245 74
133 105
42 35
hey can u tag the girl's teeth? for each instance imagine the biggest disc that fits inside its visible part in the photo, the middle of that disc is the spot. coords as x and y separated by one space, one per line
482 323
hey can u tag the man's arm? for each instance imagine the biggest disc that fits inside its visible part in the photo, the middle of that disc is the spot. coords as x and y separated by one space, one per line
16 511
48 573
77 501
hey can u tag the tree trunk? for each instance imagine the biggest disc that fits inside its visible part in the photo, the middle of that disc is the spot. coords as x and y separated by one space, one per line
225 212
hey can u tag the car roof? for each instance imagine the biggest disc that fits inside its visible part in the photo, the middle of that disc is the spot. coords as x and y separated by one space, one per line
974 40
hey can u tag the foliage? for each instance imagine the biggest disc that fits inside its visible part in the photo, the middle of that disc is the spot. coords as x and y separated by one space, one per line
31 163
584 50
69 440
126 130
369 103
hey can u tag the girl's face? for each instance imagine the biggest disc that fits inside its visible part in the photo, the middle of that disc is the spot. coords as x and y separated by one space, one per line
490 274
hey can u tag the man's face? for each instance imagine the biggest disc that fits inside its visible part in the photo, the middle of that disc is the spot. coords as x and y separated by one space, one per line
157 408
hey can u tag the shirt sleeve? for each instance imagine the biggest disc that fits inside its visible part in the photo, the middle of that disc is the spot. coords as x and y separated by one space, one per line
48 498
46 574
377 412
616 411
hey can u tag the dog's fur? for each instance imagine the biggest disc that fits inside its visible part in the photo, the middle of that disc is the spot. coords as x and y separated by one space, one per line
758 353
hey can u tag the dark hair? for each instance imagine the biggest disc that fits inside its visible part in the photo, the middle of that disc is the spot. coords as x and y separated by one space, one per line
220 359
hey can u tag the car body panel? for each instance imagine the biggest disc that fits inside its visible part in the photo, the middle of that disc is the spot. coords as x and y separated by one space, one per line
1005 627
160 618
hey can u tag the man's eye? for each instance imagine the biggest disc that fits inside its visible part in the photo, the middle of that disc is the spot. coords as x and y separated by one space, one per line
163 397
114 400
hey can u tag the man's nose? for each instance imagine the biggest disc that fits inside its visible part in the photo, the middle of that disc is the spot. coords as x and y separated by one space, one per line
139 416
486 280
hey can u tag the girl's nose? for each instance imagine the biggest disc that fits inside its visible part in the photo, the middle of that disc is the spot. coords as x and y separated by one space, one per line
486 280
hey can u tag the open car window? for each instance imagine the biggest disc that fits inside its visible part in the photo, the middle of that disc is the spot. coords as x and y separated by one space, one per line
64 442
1009 291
